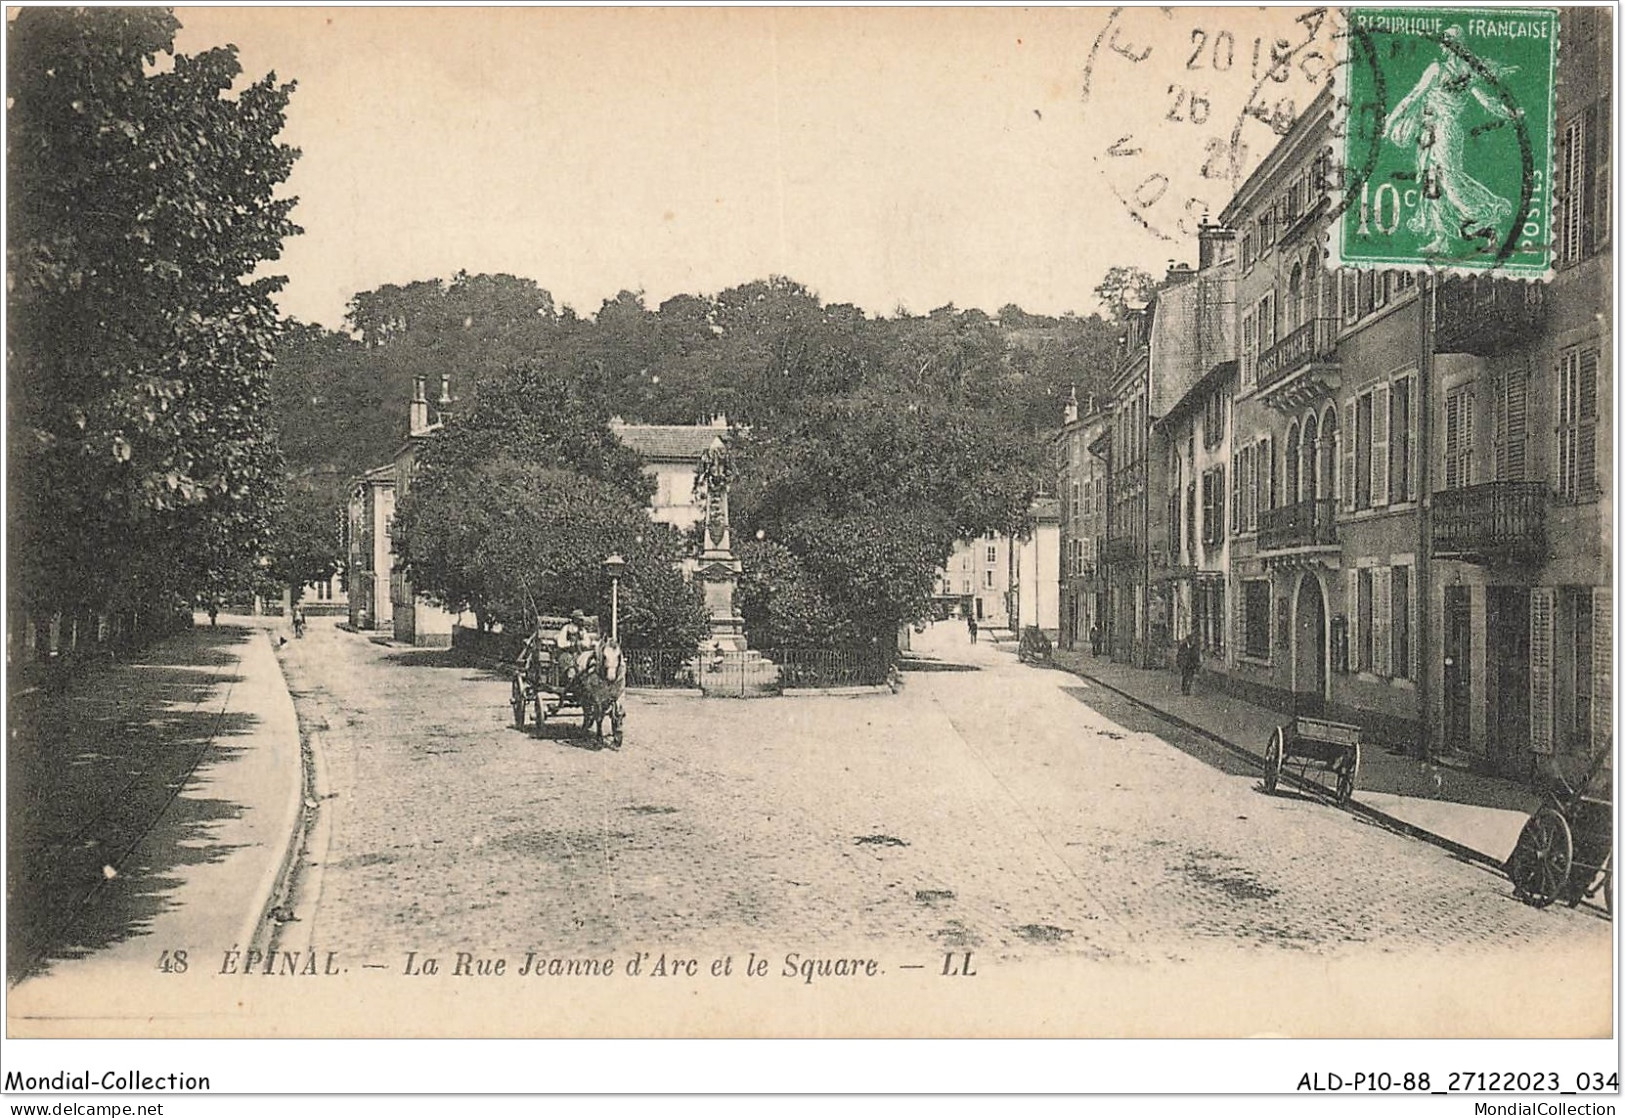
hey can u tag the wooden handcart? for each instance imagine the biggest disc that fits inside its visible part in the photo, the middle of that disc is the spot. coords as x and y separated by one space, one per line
1328 750
1566 849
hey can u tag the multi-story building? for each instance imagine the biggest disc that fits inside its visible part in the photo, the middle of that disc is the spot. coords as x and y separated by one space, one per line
1195 435
1520 592
1081 487
371 555
977 580
1419 510
1163 352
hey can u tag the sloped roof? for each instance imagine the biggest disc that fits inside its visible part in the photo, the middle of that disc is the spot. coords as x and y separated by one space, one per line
667 444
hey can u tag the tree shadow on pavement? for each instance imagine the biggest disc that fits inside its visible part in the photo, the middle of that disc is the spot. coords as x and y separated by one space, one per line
1135 718
567 731
98 779
449 659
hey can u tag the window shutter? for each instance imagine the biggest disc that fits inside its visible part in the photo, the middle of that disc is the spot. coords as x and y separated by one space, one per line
1382 619
1348 436
1266 475
1352 579
1589 203
1541 610
1602 668
1252 487
1585 450
1601 151
1218 504
1573 191
1379 446
1235 492
1512 422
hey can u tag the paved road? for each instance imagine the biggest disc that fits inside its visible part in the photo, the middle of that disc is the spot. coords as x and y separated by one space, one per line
1009 810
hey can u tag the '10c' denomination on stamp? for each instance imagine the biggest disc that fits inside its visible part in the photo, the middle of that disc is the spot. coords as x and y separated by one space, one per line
1445 140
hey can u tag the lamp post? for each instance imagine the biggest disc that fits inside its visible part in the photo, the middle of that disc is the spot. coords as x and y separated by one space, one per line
613 566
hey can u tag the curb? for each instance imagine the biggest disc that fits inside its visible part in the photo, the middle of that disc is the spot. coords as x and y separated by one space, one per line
262 932
1393 823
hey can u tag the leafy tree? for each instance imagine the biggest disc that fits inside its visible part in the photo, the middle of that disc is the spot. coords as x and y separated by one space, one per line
503 538
780 602
142 465
307 536
1123 288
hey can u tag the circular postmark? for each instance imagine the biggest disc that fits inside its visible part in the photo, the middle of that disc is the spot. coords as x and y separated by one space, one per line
1184 102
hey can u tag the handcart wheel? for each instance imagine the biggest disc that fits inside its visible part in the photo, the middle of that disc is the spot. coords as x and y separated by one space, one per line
1273 754
1540 863
517 701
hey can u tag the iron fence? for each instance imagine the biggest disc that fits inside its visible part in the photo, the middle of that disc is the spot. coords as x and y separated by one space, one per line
756 671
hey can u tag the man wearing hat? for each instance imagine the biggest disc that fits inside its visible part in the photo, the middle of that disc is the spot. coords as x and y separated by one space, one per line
572 639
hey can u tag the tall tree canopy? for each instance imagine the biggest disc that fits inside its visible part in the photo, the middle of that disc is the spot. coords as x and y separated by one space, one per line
143 464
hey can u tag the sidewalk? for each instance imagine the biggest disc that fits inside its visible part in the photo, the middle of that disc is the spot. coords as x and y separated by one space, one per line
151 804
1475 815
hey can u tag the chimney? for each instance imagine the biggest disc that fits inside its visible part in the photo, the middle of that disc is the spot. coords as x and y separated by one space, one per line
419 421
1179 273
1072 406
445 391
1217 245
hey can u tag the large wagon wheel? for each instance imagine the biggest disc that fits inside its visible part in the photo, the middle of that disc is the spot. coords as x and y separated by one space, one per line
1540 863
1273 756
1348 772
518 702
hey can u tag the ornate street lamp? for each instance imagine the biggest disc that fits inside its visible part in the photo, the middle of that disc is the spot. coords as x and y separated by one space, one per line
613 566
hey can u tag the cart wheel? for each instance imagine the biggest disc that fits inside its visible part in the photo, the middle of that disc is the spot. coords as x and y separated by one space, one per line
517 701
1272 759
1540 863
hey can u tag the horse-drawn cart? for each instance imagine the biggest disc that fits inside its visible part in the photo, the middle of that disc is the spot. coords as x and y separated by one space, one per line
1314 745
583 677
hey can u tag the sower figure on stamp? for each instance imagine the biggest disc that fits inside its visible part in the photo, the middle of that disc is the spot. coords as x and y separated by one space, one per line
1432 116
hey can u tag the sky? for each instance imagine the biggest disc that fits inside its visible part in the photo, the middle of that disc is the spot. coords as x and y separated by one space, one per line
883 157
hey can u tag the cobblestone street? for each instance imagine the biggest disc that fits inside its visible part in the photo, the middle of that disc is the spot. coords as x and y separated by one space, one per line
1010 810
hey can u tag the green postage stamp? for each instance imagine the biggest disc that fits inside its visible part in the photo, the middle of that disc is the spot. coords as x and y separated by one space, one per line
1445 147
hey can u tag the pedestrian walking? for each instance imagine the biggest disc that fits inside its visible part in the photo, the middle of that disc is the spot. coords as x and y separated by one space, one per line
1188 658
970 624
1094 639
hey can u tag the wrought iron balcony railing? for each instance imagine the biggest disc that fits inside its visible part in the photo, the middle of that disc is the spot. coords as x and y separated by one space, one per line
1315 340
1497 520
1306 524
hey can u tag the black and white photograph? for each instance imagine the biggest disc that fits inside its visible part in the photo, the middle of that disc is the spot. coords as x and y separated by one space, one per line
820 523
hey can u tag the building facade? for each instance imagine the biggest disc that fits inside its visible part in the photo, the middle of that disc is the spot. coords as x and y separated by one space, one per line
1394 505
1081 489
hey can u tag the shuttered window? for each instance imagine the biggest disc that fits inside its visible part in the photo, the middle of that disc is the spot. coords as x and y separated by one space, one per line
1512 421
1571 181
1365 610
1379 445
1540 668
1352 612
1349 441
1602 668
1400 441
1362 452
1400 614
1459 449
1382 620
1577 423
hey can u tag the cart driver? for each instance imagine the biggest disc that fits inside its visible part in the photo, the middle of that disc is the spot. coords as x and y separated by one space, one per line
572 640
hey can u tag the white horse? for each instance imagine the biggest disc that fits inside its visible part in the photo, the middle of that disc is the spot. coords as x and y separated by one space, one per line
600 684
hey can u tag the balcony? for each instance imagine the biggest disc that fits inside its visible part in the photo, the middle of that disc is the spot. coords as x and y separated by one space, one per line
1305 524
1484 315
1121 549
1301 368
1498 521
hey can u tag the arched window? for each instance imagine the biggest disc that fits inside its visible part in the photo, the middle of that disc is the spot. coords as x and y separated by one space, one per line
1290 496
1310 456
1296 311
1328 453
